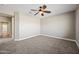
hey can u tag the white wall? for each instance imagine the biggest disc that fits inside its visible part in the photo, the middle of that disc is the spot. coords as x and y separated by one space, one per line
28 26
77 25
62 26
16 25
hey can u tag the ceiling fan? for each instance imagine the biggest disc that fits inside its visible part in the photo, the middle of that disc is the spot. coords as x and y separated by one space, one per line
42 9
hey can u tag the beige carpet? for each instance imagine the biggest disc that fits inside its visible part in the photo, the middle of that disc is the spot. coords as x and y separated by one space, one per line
39 45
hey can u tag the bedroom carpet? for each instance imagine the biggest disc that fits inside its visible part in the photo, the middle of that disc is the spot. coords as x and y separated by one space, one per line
39 45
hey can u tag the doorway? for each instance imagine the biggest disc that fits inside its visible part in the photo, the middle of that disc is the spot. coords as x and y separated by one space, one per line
5 27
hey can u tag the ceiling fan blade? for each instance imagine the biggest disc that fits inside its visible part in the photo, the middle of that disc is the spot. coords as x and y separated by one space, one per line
36 13
47 11
33 10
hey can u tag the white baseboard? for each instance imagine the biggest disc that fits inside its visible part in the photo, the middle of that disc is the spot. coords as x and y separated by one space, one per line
77 44
26 37
63 39
45 35
49 36
59 37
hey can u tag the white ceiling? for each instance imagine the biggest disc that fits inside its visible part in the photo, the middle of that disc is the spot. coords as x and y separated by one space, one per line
54 8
